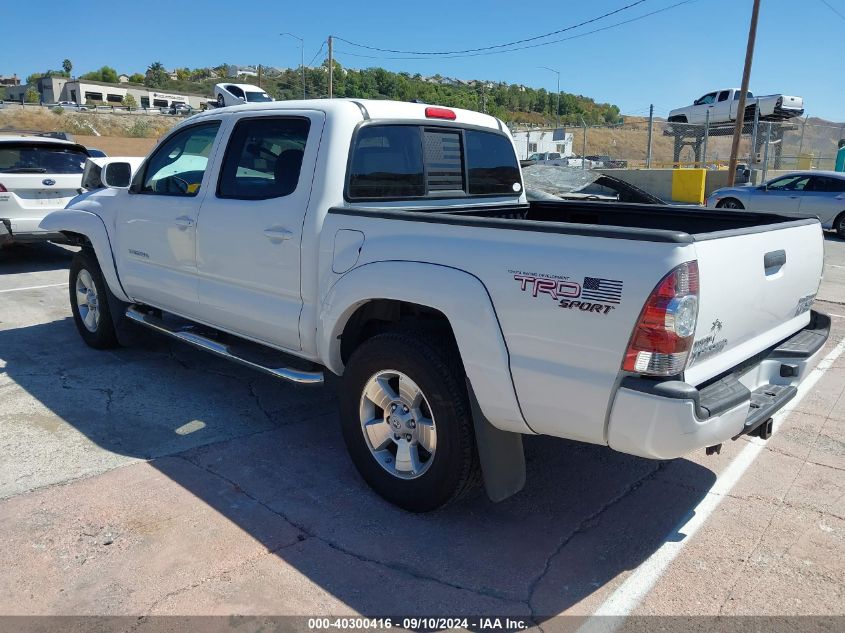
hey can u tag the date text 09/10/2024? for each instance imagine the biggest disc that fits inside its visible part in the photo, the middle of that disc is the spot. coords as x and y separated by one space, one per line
418 623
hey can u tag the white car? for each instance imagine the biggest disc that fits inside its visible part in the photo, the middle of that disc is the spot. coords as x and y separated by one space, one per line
817 194
722 107
393 244
38 175
236 94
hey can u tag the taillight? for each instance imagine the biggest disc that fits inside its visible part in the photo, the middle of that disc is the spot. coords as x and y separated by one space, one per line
439 113
662 338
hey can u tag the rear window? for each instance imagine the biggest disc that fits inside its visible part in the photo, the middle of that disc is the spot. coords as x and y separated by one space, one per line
38 158
411 161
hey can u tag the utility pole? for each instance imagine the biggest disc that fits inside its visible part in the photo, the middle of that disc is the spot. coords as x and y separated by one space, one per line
746 76
706 135
259 75
331 69
301 57
650 129
557 111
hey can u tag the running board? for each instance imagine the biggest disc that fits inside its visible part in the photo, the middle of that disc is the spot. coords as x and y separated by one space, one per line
185 335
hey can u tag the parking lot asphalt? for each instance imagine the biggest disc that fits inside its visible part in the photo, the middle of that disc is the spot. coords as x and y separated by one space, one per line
159 480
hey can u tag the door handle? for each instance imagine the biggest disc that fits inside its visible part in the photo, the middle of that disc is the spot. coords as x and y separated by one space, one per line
277 235
184 222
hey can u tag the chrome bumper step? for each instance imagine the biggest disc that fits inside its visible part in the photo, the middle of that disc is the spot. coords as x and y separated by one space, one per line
187 334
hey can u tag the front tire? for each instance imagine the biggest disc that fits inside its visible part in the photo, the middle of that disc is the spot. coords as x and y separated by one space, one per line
89 302
730 203
406 420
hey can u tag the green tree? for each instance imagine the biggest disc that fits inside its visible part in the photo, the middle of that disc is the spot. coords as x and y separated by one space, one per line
136 78
130 102
156 75
106 74
31 79
67 66
31 95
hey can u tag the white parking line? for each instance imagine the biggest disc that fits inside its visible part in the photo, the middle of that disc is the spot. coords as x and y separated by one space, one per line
33 287
631 592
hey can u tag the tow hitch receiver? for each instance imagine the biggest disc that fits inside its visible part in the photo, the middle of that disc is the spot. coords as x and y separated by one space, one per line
764 431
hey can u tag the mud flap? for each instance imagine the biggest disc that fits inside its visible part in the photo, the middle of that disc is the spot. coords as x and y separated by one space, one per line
500 453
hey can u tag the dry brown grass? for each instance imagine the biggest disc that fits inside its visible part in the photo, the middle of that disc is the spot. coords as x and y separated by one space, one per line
117 145
13 117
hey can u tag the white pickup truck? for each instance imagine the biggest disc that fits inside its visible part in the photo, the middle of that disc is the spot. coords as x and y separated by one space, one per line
722 106
392 244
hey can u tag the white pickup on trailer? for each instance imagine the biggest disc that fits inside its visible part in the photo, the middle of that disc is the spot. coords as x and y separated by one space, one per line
722 107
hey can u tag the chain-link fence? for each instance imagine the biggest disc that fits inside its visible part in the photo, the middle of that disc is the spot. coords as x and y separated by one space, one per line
798 143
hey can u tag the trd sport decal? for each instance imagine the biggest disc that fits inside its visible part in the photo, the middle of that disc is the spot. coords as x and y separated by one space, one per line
594 295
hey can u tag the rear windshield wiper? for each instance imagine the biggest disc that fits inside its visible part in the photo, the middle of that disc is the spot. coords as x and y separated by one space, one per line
24 170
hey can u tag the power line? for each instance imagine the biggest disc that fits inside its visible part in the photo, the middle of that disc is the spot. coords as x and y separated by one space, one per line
830 6
487 48
538 45
319 50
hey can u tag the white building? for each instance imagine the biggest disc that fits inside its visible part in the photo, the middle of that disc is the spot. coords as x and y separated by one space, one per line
532 141
82 91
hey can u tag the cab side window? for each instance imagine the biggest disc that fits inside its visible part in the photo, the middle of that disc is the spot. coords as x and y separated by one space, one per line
264 158
178 165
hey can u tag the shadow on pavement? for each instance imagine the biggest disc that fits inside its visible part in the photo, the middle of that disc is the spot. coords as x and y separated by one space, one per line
35 257
586 515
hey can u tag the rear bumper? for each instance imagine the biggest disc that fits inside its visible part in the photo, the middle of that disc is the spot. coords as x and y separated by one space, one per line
10 234
667 419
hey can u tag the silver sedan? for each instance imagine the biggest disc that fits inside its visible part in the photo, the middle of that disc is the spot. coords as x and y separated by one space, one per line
811 193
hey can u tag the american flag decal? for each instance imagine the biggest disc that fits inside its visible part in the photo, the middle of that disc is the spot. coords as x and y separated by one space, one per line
603 290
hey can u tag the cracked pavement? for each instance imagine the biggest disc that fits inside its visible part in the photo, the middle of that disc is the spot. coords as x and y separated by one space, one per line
157 479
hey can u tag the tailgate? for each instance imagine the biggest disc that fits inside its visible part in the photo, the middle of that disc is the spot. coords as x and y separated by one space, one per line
792 103
755 291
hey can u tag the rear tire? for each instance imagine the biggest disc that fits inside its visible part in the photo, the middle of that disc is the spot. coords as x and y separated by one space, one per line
730 203
406 420
89 302
839 225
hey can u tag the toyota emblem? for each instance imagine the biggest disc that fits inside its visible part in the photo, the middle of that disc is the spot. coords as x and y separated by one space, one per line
48 181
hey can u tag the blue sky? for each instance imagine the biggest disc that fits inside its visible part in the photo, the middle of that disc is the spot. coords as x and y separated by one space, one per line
667 59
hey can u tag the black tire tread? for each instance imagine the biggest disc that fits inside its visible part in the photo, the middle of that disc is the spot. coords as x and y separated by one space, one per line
106 335
839 225
440 354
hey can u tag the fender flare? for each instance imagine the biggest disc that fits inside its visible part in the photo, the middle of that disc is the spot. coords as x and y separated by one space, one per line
92 227
465 302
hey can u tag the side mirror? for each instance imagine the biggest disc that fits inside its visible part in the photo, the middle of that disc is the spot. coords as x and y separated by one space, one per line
117 175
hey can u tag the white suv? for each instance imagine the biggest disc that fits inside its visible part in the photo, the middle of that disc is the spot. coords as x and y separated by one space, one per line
37 175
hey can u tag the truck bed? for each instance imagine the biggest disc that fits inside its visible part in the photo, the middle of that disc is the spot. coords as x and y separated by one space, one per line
666 223
643 222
